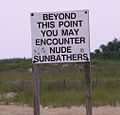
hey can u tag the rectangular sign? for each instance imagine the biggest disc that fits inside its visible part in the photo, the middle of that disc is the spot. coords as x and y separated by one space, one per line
60 37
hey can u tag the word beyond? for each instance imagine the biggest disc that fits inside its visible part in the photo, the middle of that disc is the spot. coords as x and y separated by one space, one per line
60 16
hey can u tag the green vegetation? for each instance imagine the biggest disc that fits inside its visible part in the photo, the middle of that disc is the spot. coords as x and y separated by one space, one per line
105 76
106 92
109 51
101 69
102 93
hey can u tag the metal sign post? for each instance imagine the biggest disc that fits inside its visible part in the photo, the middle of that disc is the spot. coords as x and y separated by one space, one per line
35 74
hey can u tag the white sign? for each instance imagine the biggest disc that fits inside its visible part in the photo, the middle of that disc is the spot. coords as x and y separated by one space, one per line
60 37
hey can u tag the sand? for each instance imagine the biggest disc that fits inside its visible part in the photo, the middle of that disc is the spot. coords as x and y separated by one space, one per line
24 110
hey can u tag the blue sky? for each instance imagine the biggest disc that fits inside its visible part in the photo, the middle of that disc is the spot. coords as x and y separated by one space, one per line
15 31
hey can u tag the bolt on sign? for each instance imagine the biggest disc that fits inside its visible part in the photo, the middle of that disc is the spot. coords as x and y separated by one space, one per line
60 37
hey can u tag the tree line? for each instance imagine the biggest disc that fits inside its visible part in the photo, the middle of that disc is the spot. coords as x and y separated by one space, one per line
109 51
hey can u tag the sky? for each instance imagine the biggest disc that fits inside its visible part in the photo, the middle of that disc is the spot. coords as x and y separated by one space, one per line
15 28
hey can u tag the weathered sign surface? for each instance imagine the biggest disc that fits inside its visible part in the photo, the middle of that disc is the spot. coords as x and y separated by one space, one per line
60 37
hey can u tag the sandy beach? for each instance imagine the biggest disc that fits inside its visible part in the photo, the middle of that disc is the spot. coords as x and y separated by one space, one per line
24 110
